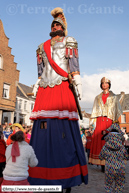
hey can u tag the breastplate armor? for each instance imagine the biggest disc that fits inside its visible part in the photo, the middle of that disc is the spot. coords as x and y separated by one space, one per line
49 76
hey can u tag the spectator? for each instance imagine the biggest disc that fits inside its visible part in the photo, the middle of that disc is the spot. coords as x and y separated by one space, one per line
18 156
126 144
16 127
6 124
1 128
88 143
29 134
4 127
2 155
7 132
25 129
83 137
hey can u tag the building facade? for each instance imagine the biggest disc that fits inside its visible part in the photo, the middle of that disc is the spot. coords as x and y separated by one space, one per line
24 104
9 78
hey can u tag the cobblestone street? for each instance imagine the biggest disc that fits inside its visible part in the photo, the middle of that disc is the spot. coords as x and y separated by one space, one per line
96 181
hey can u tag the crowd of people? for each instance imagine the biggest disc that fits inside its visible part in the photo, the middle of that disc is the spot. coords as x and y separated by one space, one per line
14 148
86 136
114 152
15 154
7 129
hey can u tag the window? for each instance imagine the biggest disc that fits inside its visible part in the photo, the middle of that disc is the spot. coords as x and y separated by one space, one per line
123 129
123 118
43 125
1 61
20 104
32 105
6 89
16 104
25 105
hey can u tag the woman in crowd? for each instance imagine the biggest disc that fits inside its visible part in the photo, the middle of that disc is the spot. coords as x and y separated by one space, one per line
106 109
29 133
18 156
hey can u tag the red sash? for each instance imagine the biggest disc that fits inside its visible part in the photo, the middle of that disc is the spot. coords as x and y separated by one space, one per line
58 70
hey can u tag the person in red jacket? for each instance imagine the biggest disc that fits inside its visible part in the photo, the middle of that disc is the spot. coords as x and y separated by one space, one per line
2 155
16 127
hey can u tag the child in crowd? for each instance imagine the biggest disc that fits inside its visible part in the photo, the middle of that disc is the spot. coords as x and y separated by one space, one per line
115 155
88 143
83 137
7 132
18 156
2 155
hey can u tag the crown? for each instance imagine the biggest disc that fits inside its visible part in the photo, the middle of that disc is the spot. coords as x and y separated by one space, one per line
104 79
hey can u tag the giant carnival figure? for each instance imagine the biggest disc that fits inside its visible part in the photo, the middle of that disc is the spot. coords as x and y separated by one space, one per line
106 110
55 135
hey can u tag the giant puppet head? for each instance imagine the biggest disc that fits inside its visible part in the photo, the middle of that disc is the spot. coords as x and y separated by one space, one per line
105 80
59 24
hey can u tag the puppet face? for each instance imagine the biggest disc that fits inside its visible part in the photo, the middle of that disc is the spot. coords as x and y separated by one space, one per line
56 26
105 86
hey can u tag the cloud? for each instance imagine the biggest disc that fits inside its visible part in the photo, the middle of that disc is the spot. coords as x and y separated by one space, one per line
91 85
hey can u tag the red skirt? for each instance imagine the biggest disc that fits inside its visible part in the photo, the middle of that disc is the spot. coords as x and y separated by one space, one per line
14 183
97 143
56 102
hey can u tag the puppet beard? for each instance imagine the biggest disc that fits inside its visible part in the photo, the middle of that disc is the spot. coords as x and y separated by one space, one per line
57 33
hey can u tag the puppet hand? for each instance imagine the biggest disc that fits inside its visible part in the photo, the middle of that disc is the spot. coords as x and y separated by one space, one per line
77 79
36 86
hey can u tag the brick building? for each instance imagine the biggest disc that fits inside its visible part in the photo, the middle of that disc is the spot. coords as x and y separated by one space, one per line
9 77
24 104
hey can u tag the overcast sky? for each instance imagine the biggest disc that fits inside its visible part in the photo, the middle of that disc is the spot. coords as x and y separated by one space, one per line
101 28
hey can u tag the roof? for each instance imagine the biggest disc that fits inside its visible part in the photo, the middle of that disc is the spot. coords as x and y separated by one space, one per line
124 100
22 91
2 28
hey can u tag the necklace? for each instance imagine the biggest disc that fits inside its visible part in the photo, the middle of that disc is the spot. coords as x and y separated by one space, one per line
53 41
106 92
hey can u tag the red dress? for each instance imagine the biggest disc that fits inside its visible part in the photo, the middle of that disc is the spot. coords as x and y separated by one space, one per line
102 123
57 102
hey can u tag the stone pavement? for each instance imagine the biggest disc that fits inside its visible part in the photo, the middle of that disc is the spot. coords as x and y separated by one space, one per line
96 181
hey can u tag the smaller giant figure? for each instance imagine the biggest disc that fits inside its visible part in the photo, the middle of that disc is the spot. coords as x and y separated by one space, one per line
106 109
